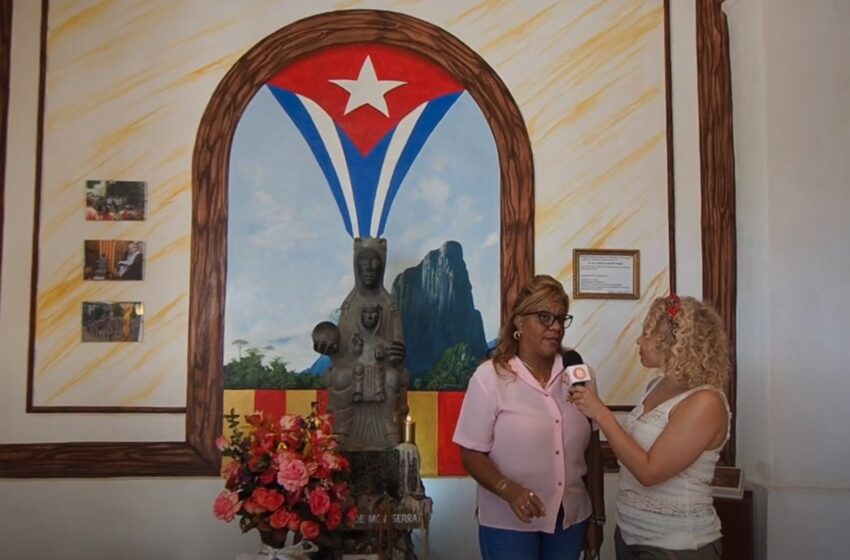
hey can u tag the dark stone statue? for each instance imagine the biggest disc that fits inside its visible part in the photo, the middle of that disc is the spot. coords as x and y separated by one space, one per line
367 381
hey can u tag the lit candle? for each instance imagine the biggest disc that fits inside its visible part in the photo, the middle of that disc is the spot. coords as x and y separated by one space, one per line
409 430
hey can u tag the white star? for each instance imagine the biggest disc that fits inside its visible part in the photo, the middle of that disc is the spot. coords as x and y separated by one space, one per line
367 89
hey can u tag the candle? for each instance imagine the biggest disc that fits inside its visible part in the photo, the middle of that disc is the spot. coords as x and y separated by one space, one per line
409 430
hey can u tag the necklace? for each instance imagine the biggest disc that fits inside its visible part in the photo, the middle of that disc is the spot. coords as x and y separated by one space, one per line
543 382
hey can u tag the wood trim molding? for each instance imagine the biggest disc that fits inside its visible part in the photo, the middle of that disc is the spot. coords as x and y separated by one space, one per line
5 57
671 175
197 455
717 174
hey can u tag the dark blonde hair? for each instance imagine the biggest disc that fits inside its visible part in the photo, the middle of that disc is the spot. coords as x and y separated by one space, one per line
692 343
536 292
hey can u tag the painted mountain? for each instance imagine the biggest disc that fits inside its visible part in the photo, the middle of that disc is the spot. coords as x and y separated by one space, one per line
443 331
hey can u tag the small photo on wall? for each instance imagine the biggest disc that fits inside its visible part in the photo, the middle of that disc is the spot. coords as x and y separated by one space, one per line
112 321
115 201
114 259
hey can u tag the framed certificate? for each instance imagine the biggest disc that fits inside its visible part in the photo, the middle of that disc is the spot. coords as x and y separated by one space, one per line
606 274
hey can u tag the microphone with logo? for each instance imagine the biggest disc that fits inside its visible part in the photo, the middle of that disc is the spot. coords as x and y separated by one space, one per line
576 372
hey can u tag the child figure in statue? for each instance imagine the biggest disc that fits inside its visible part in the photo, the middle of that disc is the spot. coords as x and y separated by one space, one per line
369 374
367 382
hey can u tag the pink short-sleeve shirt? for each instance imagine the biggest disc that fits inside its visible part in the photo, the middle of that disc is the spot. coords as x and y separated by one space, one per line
534 436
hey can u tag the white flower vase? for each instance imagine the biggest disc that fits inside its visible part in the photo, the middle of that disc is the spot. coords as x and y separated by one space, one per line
299 551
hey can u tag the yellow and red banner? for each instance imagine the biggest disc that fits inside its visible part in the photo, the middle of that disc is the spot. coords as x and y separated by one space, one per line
435 414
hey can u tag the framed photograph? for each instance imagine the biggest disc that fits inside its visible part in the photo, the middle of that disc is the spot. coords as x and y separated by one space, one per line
115 201
606 274
113 259
112 321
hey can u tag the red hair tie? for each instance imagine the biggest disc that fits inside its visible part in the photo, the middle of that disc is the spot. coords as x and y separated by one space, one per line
674 305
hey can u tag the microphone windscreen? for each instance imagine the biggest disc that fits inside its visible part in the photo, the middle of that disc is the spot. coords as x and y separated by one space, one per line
572 358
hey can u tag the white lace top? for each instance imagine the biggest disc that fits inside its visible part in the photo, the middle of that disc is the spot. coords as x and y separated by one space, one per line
677 514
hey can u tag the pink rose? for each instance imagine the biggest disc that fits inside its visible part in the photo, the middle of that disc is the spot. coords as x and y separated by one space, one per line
289 422
294 522
281 519
351 515
267 498
310 529
227 505
221 443
292 475
319 501
334 516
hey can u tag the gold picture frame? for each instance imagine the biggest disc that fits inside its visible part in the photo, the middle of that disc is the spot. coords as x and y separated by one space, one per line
606 274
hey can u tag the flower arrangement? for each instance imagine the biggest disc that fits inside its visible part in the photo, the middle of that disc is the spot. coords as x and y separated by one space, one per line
284 476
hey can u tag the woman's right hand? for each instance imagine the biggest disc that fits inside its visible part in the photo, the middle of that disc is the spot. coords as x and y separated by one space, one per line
524 502
587 402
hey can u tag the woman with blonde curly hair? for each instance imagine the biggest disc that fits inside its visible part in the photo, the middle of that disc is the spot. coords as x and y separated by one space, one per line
669 444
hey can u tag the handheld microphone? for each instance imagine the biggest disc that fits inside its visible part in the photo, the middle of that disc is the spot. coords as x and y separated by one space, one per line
576 371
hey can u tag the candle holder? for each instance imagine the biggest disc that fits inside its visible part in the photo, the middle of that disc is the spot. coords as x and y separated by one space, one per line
409 430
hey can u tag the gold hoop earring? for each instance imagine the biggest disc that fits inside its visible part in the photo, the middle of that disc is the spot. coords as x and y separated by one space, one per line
517 334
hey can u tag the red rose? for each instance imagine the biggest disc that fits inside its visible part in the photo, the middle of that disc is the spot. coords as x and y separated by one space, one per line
268 499
310 529
252 507
334 516
281 519
351 515
319 501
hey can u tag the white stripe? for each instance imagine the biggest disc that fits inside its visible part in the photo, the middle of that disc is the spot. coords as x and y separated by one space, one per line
327 132
397 144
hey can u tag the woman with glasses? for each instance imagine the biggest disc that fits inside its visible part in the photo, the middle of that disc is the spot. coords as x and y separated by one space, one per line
524 442
669 444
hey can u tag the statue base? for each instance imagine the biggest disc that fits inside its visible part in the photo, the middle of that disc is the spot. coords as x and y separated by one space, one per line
390 497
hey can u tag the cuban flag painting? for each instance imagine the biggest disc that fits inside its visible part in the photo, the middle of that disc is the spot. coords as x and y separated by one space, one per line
365 111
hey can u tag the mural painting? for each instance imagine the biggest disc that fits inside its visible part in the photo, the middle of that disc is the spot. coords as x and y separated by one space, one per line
358 142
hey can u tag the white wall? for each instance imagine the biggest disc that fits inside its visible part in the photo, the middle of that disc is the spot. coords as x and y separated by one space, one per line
791 96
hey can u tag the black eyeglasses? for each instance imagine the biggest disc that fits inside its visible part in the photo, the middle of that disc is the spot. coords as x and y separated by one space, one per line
546 319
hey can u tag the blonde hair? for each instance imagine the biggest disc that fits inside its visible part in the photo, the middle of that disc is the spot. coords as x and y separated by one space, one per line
692 343
536 292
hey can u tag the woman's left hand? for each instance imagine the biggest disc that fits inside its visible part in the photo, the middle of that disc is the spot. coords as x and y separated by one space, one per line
587 401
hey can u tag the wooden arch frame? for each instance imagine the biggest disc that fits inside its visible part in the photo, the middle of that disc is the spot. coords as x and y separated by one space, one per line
197 455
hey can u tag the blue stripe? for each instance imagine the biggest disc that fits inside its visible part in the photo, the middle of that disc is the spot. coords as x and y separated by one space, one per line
365 171
428 121
299 115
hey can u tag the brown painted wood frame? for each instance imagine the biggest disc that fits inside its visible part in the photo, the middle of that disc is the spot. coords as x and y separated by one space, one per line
717 180
197 455
5 55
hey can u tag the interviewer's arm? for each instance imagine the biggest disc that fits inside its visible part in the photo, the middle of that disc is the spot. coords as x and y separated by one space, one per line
694 425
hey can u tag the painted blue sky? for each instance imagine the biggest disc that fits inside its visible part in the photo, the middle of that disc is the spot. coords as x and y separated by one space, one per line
289 262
